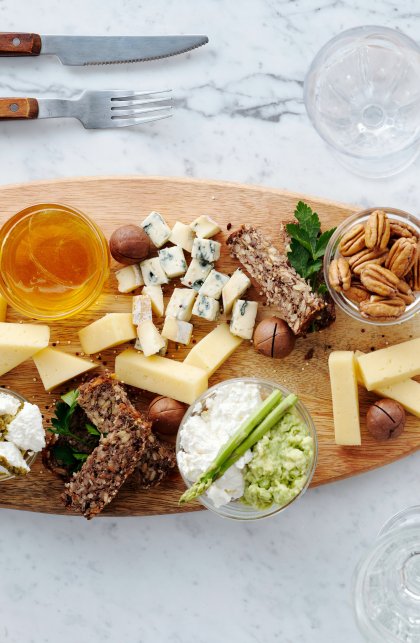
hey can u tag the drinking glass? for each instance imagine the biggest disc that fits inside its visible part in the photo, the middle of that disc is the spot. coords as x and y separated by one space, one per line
362 94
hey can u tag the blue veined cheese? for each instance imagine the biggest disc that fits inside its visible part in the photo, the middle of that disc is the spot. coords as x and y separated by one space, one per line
213 284
173 261
181 304
235 288
153 273
162 351
204 227
243 318
182 235
141 309
149 337
206 307
156 229
129 278
206 250
156 297
177 330
196 274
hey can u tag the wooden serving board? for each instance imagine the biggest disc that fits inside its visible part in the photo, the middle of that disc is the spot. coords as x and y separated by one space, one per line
112 202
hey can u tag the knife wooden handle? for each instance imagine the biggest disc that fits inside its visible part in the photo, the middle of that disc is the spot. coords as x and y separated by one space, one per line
20 44
18 108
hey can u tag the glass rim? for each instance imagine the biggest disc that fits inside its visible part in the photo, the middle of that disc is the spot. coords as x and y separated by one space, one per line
339 299
235 510
40 315
29 459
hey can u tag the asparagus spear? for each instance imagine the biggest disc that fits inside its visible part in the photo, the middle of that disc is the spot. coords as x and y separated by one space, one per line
243 442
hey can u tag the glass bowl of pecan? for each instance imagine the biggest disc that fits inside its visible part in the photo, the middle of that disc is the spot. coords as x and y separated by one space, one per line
372 266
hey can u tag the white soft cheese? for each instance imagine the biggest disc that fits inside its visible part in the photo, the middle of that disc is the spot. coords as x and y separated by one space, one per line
203 435
26 430
9 404
12 459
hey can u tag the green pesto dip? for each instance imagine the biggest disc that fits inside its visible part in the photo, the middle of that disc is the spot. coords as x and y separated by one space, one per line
280 464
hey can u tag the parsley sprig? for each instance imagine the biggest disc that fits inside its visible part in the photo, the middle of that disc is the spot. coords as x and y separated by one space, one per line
308 245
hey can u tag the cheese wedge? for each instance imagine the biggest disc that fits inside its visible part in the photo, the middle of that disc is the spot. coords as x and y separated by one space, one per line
345 398
390 365
214 349
407 393
150 339
161 375
55 367
3 309
156 297
18 342
108 331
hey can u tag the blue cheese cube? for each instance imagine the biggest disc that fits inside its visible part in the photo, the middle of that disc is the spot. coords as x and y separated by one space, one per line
177 331
150 339
182 235
153 273
129 278
213 285
141 309
196 274
181 304
206 250
161 352
206 307
235 288
243 318
156 229
204 227
173 261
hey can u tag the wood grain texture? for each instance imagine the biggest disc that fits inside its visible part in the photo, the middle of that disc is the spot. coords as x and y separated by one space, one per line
120 200
20 44
18 108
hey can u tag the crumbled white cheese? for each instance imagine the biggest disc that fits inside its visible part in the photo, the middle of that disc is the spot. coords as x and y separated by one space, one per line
9 404
26 430
203 435
12 459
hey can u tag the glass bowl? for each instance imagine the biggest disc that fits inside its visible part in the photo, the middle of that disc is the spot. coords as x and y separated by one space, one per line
236 509
347 306
54 261
29 456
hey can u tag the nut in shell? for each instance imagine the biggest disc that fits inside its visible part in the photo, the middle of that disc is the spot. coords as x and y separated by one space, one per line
166 414
402 256
357 293
379 280
360 260
353 241
377 230
382 308
385 419
129 244
339 274
274 338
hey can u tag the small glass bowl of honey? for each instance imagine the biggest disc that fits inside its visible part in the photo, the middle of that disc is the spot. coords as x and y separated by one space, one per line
54 261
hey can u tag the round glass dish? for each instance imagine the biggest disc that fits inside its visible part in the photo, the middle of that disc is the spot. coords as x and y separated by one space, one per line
349 307
236 509
54 261
29 456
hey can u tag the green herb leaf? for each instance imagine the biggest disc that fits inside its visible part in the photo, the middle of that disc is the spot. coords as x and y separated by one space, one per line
80 456
70 398
92 429
63 454
322 242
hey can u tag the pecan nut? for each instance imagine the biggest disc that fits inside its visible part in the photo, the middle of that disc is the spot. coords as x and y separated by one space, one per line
353 241
402 256
379 280
377 230
339 274
382 308
360 260
402 229
357 293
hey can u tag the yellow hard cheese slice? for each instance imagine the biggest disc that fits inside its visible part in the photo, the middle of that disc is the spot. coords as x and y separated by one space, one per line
214 349
345 397
108 331
55 367
390 365
18 342
407 392
3 308
161 375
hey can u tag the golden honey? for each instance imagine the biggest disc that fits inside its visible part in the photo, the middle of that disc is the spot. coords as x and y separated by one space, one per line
53 261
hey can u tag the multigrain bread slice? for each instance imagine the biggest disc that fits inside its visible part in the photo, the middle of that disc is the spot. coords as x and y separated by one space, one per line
272 274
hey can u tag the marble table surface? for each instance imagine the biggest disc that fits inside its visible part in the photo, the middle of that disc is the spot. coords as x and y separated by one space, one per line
239 116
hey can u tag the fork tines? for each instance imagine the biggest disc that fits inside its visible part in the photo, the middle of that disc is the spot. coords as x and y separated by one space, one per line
134 108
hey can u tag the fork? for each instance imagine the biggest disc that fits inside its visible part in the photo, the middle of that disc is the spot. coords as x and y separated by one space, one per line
94 109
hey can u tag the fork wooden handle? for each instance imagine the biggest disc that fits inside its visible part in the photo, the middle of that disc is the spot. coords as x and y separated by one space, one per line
20 44
18 108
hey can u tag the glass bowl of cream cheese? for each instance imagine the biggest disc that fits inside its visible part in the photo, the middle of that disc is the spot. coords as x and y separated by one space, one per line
268 477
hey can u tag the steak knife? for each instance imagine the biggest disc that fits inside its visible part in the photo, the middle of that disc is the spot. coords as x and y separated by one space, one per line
98 50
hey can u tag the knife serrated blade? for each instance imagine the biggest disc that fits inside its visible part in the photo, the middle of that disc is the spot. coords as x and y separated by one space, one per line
98 50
